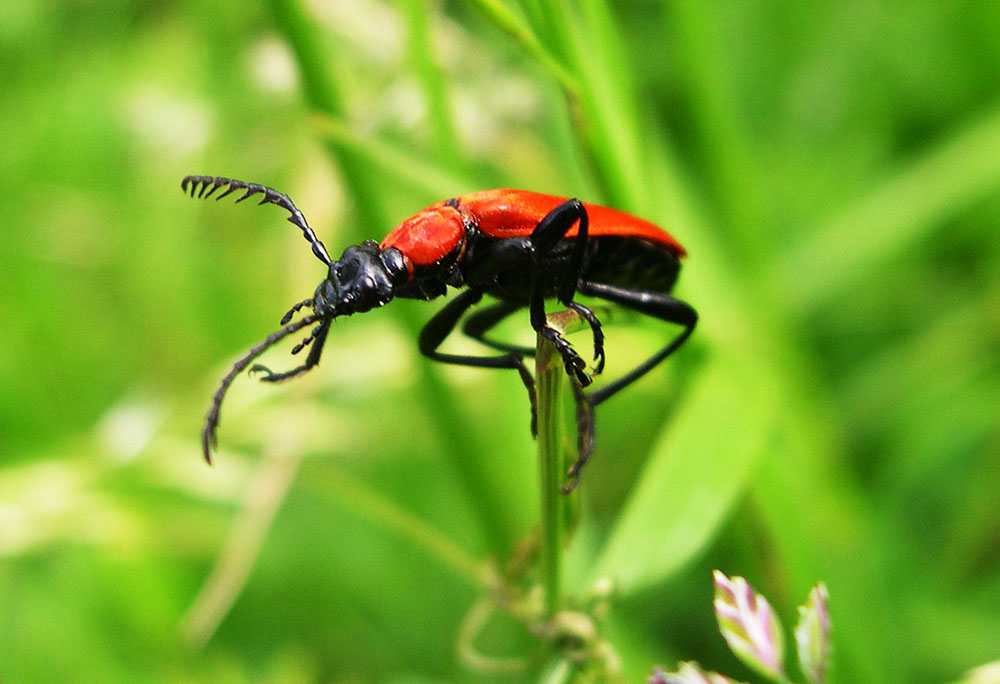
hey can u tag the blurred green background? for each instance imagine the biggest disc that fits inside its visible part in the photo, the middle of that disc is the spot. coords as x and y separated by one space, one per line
833 169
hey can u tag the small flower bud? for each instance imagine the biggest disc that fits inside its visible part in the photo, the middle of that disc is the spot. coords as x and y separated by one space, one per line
812 635
689 673
749 626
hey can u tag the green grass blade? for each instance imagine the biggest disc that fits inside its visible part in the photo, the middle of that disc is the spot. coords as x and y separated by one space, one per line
896 214
698 469
498 13
322 95
420 17
409 167
549 376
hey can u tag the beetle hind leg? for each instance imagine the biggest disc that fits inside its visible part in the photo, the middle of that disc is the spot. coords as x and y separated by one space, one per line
660 305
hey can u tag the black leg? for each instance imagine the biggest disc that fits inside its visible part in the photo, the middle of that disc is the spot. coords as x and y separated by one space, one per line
551 229
477 325
546 235
656 304
659 305
441 325
595 329
544 238
480 323
584 437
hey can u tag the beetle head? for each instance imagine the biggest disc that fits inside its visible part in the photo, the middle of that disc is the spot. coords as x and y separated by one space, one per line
364 278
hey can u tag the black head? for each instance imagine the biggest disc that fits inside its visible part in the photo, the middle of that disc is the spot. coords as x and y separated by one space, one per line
364 278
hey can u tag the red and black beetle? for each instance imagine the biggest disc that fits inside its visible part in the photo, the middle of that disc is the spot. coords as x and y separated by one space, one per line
517 246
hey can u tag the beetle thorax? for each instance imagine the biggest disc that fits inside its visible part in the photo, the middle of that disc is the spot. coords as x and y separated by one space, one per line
429 237
364 278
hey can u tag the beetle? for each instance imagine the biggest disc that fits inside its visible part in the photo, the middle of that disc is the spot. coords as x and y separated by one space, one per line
516 246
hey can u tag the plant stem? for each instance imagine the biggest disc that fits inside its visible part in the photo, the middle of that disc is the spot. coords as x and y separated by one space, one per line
548 379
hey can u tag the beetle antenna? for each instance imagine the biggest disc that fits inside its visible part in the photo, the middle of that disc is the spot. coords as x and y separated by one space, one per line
208 434
205 187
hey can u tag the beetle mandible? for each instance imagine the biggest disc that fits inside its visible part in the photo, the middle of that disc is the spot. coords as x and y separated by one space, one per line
516 246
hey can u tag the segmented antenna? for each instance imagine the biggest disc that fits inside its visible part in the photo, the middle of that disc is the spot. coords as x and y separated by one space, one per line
205 187
208 433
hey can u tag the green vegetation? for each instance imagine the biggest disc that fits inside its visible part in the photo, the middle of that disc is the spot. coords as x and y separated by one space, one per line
833 170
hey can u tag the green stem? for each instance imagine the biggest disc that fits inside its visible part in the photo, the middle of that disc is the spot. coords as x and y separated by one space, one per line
549 378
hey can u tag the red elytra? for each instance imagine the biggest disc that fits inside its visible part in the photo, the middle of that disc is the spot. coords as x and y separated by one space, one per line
433 233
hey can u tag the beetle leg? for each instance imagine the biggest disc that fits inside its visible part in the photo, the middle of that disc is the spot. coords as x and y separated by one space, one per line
441 325
546 235
477 325
662 306
318 337
584 437
595 328
657 304
480 323
575 366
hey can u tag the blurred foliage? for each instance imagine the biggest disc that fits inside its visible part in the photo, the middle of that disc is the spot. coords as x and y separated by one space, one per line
833 169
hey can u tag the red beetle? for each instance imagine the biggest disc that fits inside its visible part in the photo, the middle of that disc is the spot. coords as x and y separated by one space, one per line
517 246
